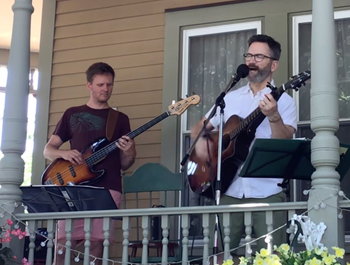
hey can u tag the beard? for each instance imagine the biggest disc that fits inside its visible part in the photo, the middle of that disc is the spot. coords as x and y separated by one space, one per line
260 74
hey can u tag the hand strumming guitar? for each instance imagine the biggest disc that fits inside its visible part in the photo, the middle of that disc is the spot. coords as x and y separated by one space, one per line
73 156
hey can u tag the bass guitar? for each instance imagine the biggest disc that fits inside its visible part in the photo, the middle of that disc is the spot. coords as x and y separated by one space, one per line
238 135
62 172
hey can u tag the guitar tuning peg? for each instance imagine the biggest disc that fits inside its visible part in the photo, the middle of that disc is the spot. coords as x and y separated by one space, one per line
172 102
186 96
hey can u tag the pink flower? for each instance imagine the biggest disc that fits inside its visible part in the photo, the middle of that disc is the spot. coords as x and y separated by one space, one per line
25 262
9 222
15 257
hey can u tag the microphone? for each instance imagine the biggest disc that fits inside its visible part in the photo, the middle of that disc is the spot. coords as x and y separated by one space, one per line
242 72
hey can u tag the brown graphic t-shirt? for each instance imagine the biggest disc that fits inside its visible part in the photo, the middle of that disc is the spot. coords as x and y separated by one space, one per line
83 126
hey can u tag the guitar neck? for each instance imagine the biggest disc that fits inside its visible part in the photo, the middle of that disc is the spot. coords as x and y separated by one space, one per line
256 117
91 160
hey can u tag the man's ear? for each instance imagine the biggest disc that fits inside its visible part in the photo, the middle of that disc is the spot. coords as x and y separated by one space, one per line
88 85
274 66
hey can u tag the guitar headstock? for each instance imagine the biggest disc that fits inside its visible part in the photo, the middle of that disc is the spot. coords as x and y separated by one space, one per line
179 107
294 82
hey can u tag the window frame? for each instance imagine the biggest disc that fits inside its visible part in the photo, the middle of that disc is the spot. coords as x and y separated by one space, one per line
296 21
203 31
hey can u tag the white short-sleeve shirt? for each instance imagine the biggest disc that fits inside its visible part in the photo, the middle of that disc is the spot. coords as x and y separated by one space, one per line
242 102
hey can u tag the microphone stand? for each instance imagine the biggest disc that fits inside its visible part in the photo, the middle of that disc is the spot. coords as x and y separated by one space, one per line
218 103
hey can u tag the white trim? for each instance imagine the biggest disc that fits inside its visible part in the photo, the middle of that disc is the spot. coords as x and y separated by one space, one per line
44 88
295 49
202 31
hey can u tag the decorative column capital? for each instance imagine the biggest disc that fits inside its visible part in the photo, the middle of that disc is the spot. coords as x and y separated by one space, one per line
24 5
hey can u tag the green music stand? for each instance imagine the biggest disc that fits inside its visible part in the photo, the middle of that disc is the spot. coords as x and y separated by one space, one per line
287 159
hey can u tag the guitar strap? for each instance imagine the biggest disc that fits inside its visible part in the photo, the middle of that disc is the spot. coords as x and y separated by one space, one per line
111 123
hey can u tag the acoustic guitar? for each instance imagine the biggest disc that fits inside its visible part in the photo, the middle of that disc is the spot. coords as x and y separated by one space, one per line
62 172
238 135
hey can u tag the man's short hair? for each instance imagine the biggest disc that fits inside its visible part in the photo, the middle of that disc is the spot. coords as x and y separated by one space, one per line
98 69
275 46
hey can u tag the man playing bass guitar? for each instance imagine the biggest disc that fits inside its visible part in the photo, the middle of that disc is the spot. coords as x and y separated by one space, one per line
281 119
82 125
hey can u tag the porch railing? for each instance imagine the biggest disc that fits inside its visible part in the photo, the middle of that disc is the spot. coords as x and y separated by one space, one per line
32 221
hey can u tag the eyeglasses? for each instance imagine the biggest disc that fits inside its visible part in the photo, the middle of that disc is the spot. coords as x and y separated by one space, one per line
257 57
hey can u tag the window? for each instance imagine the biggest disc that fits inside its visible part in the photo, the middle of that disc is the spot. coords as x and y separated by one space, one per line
210 57
33 85
302 59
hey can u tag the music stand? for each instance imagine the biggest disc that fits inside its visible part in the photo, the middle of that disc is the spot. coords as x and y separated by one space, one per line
51 198
287 159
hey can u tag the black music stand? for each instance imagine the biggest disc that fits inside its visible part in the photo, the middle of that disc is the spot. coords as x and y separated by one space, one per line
51 198
287 159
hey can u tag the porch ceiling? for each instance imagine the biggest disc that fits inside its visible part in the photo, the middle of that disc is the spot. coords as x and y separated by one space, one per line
6 21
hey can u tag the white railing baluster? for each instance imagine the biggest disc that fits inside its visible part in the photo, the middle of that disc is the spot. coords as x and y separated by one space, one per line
248 233
291 228
185 231
291 214
32 235
269 223
145 240
106 223
227 240
87 243
68 230
206 232
51 229
165 241
125 227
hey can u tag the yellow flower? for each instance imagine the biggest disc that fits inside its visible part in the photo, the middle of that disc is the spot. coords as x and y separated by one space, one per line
228 262
339 252
272 261
318 251
285 247
258 261
324 253
329 259
264 252
243 261
275 257
315 261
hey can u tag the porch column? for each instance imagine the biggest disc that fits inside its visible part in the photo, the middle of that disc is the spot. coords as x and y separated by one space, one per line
324 123
14 130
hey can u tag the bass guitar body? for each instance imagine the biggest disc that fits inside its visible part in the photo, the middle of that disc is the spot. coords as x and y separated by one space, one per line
202 173
62 172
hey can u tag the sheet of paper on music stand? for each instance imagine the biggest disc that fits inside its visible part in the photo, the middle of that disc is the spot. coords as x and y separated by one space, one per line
51 198
286 158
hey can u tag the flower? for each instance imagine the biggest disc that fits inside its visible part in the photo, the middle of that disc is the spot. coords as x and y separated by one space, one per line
6 254
284 256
